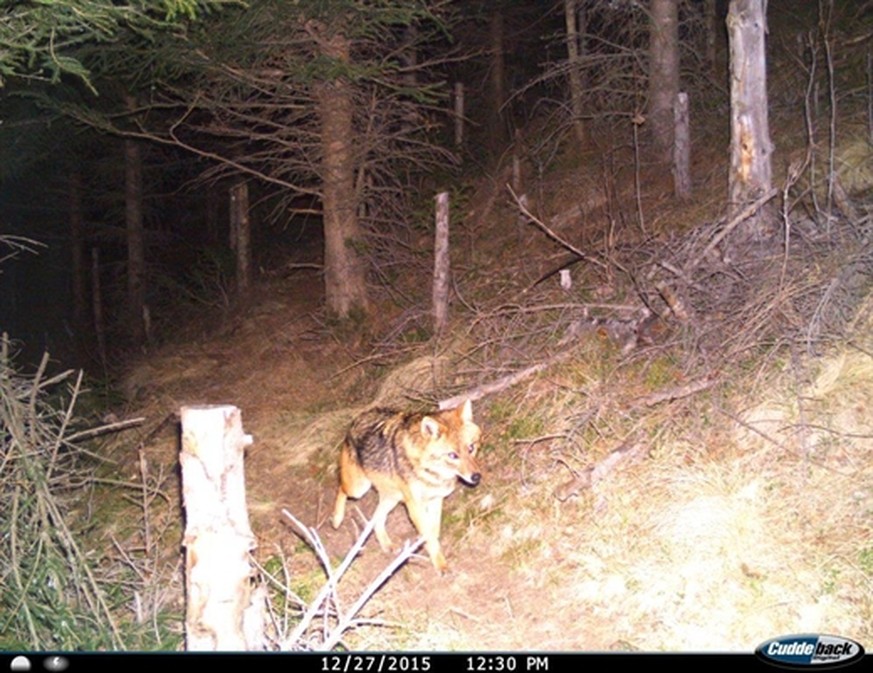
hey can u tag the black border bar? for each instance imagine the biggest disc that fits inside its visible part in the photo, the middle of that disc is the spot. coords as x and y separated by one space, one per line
375 662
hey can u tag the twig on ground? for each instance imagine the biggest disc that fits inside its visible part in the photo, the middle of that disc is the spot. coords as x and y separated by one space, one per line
502 383
551 234
344 620
626 454
678 392
103 429
311 536
737 220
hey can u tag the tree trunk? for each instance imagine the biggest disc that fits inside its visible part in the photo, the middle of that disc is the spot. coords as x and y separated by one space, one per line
459 115
133 216
497 125
441 268
97 307
710 19
214 199
344 267
78 264
574 20
663 76
240 237
682 148
750 173
409 62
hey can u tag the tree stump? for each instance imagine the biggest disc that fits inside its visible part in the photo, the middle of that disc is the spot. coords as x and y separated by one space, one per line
222 612
681 148
441 264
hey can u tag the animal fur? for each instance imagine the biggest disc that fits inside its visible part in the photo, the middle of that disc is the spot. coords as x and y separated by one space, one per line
411 458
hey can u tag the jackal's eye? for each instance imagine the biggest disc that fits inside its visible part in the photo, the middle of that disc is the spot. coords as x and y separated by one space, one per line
471 449
454 456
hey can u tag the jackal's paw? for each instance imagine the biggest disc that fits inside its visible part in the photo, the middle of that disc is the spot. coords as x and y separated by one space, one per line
440 564
339 510
386 544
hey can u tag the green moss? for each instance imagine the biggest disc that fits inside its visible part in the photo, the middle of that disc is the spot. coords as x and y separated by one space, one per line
660 373
520 553
524 427
865 560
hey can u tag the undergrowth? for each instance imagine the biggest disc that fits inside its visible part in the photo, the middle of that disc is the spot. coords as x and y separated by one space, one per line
51 592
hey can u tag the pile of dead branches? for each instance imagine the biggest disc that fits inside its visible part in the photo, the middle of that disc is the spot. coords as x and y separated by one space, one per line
50 597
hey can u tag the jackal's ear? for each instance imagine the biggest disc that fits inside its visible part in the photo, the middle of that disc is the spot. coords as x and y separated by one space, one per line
430 427
466 411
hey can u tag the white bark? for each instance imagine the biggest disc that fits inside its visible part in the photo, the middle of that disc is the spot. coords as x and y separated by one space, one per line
682 147
441 264
221 606
751 147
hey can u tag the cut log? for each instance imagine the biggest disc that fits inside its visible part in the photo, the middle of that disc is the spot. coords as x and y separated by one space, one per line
222 605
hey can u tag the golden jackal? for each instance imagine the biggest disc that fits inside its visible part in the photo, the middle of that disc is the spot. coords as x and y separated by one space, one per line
411 458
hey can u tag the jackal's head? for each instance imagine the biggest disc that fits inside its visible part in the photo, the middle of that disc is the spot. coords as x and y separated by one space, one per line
453 440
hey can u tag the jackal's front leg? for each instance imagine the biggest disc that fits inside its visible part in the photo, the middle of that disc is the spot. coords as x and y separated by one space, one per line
380 517
426 516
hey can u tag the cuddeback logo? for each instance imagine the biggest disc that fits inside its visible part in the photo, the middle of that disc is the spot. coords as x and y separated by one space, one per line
810 650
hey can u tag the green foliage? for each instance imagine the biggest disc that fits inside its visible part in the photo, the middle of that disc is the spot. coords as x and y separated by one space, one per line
181 9
208 282
39 38
306 586
525 427
660 372
369 19
260 107
514 423
56 591
865 560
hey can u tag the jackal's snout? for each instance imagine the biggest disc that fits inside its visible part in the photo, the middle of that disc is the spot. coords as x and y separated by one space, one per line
473 479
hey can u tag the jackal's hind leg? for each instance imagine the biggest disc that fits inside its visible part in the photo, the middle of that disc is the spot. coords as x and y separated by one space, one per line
353 483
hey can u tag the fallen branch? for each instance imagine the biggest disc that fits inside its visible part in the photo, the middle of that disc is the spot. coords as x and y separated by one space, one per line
333 576
502 383
551 234
292 267
626 454
678 392
677 306
741 217
344 620
103 429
